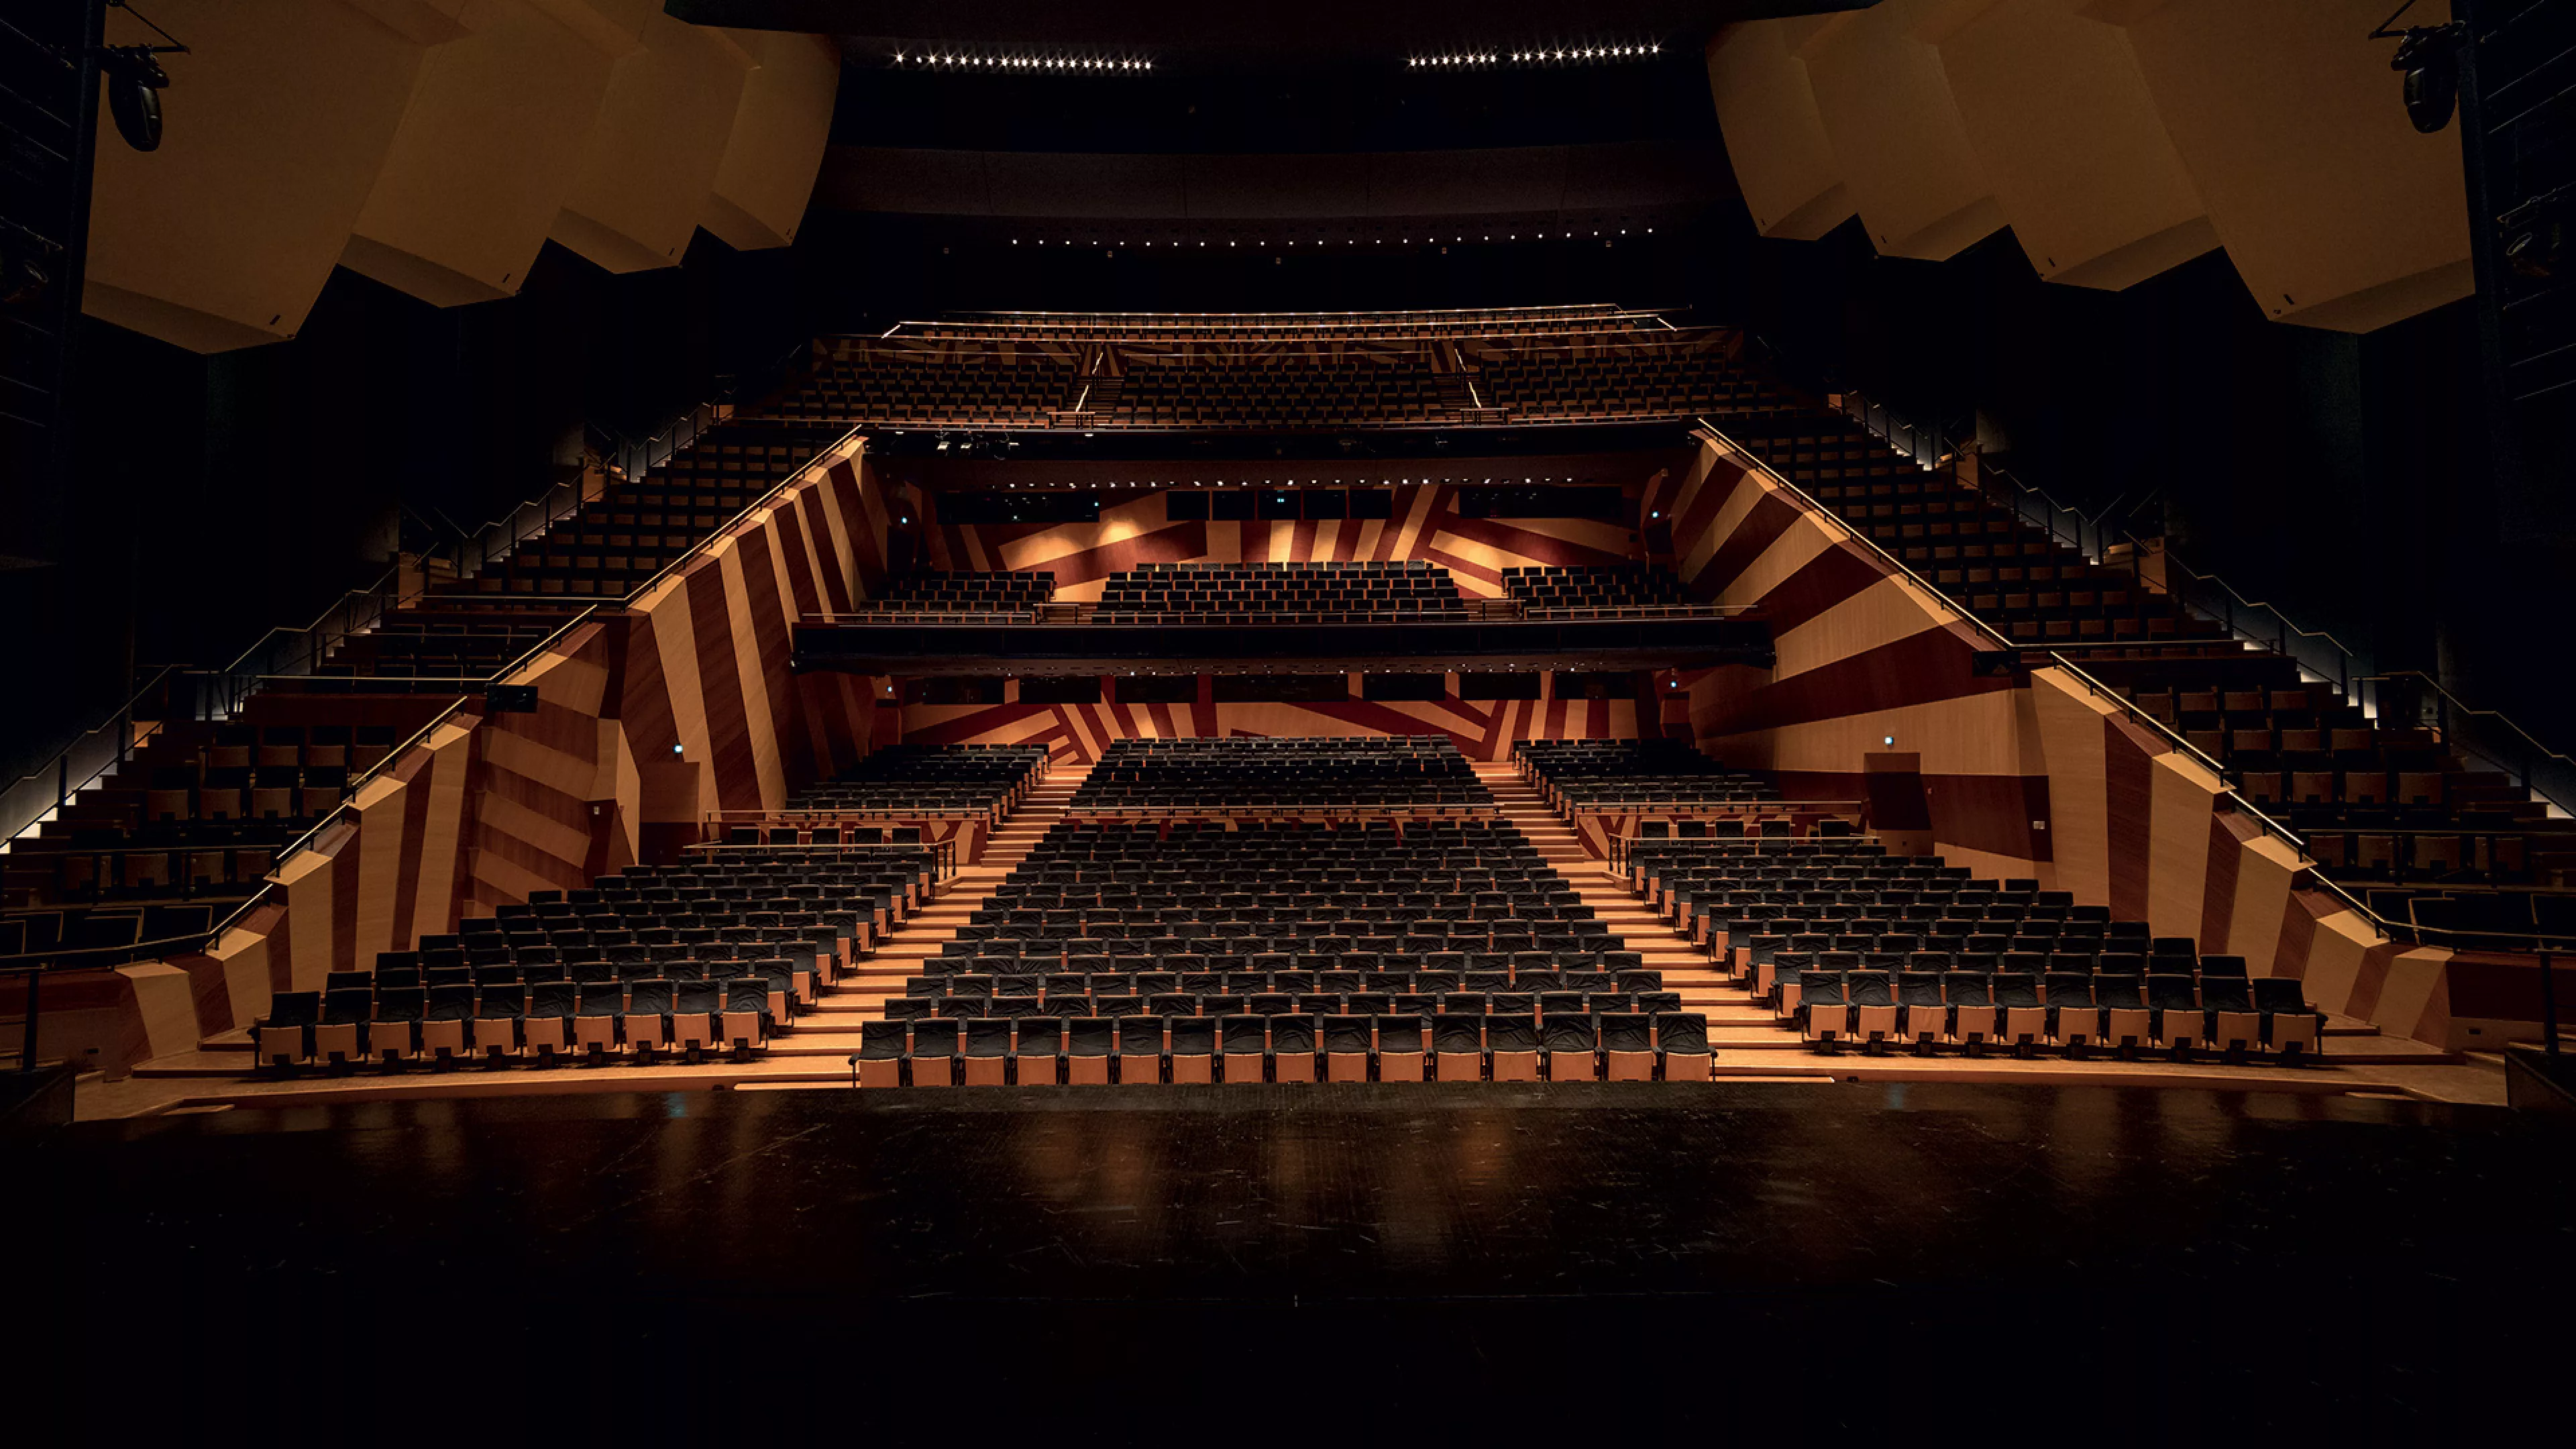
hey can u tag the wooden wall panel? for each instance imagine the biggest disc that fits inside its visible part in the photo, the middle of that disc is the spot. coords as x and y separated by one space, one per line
1080 733
1766 108
1904 153
490 807
1864 655
1136 529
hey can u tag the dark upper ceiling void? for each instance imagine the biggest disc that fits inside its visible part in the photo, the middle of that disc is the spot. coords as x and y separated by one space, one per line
1193 33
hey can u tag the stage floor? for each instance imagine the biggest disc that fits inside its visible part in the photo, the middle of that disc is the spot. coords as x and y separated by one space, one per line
2160 1262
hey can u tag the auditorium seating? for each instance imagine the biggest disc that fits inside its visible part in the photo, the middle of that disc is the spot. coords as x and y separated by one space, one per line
2388 806
450 639
1850 945
1399 771
1298 952
199 810
202 808
1020 391
944 596
1278 372
640 526
1279 395
1590 774
1591 590
1558 386
929 778
720 951
1583 320
1405 591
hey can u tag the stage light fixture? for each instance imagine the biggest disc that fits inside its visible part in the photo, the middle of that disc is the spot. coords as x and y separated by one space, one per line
133 78
2428 56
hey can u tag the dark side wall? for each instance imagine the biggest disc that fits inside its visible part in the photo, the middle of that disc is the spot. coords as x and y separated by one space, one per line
216 497
2339 477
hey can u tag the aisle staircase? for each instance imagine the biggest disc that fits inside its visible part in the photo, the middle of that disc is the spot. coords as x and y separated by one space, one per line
862 995
1736 1023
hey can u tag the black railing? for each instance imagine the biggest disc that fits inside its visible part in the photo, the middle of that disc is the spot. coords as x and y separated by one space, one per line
2233 799
86 757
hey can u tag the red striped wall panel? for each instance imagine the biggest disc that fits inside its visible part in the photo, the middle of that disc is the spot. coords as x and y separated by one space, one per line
1483 729
492 807
1864 657
1135 529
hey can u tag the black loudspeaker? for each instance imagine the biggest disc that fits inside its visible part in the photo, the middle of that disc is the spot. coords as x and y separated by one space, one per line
510 699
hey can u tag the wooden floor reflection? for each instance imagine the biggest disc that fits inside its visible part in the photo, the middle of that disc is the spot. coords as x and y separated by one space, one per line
1727 1241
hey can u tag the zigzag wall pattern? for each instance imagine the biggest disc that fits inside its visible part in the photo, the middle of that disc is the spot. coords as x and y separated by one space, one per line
1426 525
2043 779
647 718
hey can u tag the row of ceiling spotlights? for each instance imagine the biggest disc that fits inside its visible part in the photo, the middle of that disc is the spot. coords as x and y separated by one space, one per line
1269 483
961 61
1532 57
1346 241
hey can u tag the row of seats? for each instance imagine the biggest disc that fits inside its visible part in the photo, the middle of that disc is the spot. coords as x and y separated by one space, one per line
638 527
929 778
1399 770
1574 592
1588 774
1577 321
1023 391
544 1023
430 641
1290 393
1127 373
943 596
724 948
1174 941
1283 1047
2069 1011
1807 926
1541 386
1280 593
2373 796
33 936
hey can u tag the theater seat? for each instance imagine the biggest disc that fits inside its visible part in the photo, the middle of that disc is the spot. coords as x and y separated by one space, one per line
285 1035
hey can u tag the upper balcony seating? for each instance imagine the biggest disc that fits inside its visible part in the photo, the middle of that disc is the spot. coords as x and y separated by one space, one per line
1588 320
1349 394
638 527
960 596
927 778
1023 392
1338 773
2373 804
1554 386
1590 589
1308 593
443 641
1587 774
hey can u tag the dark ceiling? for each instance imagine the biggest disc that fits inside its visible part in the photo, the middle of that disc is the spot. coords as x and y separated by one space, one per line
1190 34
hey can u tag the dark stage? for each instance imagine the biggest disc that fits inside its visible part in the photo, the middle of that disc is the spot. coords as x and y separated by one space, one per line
1361 1262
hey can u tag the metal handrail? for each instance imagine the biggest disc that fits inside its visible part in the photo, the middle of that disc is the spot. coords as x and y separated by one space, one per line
537 650
20 810
2536 767
837 448
943 853
2237 801
1826 515
358 782
1088 614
